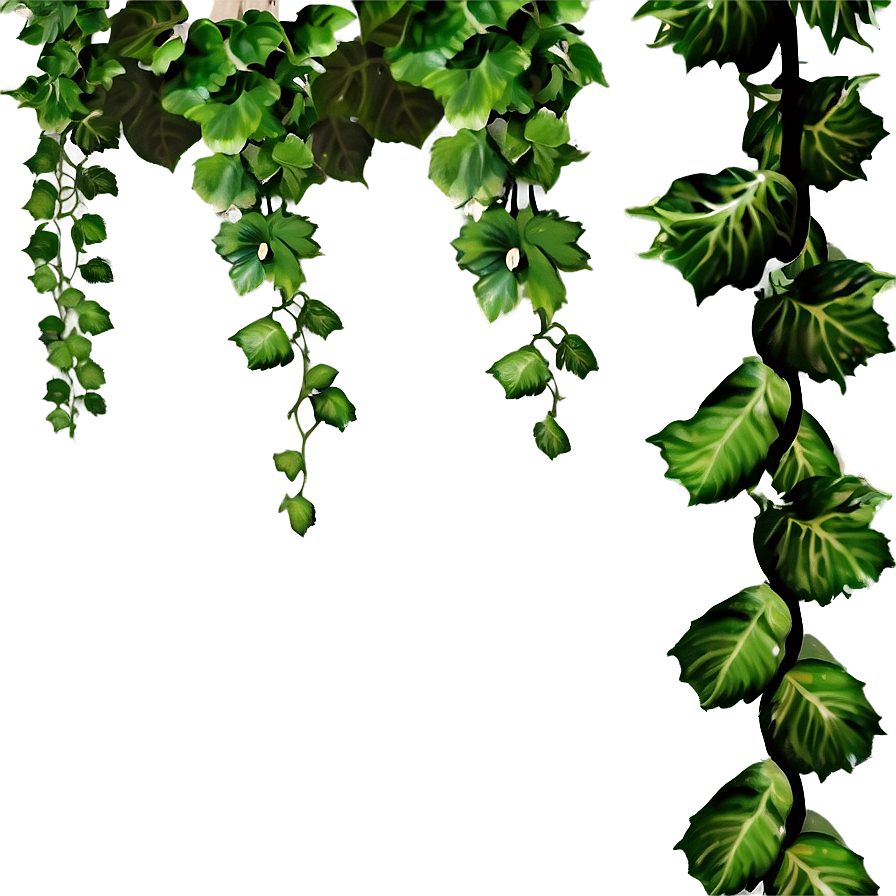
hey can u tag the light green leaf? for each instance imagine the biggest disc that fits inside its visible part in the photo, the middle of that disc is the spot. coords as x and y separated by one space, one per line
169 52
290 462
41 205
508 135
722 449
576 356
465 167
734 839
546 128
222 181
744 33
332 406
227 126
103 73
59 60
810 454
295 159
551 438
819 543
732 652
556 237
320 376
265 344
721 229
71 297
78 345
523 372
90 374
820 719
46 158
88 230
319 319
254 37
43 278
300 511
313 32
823 322
59 355
93 318
60 419
818 864
838 19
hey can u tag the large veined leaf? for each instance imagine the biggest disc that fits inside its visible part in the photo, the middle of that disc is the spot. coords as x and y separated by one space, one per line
227 126
819 543
551 438
721 229
837 19
732 652
823 323
818 864
734 839
300 512
839 133
466 167
136 28
222 181
820 719
341 148
810 454
740 32
265 344
722 449
523 372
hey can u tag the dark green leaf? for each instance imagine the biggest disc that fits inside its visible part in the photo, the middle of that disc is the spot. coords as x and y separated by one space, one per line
52 324
300 511
42 203
289 462
96 270
95 403
734 839
103 73
722 449
90 375
48 22
137 27
556 237
60 419
58 391
576 356
820 719
817 864
95 180
58 60
319 319
838 19
96 132
551 438
320 376
333 407
46 158
265 344
92 20
341 148
814 252
465 167
810 454
88 230
523 372
732 652
43 278
93 318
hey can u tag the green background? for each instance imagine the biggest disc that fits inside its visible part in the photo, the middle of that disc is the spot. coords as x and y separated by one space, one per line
458 681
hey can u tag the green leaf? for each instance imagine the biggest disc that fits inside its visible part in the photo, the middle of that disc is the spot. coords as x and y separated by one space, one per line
744 33
103 73
78 345
471 94
58 391
53 325
300 511
313 33
41 205
96 132
320 376
838 19
169 52
70 297
556 237
333 407
295 159
43 278
93 318
732 652
92 20
46 158
43 246
96 270
823 322
814 252
372 16
265 344
254 37
59 60
819 543
136 28
95 403
810 454
227 126
95 180
291 463
341 148
576 356
820 719
222 181
60 419
722 449
88 230
465 167
817 864
523 372
90 375
319 319
734 839
59 355
720 230
551 438
546 128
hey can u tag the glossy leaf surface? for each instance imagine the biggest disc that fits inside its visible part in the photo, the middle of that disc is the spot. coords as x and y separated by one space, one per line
817 864
265 344
810 454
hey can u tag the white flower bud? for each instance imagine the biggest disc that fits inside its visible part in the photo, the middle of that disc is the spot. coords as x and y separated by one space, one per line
512 259
474 209
262 251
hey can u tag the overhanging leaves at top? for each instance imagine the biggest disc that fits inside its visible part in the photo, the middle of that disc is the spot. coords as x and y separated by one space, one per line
839 19
722 449
136 28
721 229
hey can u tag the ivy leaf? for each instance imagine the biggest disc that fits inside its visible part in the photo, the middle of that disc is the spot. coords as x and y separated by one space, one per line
289 462
320 376
732 652
817 863
341 148
547 129
819 542
103 73
551 438
94 181
96 270
556 237
60 419
331 406
52 20
71 297
743 33
52 326
93 318
295 159
78 345
95 403
43 245
313 33
300 511
820 719
46 158
837 19
823 322
92 20
254 37
88 230
96 132
265 344
721 229
59 60
44 278
523 372
810 454
722 449
576 356
319 319
58 391
222 181
227 126
59 355
41 205
734 839
90 374
465 167
136 28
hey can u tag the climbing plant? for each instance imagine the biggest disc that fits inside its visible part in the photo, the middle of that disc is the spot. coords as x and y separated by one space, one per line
815 316
282 106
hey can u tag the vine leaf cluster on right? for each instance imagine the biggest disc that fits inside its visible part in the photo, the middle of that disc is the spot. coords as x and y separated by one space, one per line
816 317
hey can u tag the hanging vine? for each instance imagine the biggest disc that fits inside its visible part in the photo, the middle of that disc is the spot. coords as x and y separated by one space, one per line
816 317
